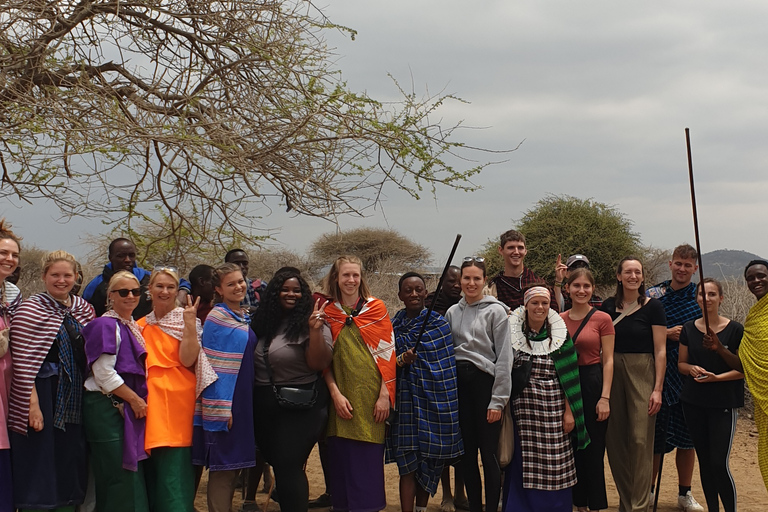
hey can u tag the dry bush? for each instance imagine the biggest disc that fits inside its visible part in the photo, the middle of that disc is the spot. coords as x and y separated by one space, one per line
738 299
30 280
264 263
379 249
655 264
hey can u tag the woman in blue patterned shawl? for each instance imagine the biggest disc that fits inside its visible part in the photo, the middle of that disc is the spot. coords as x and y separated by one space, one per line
424 435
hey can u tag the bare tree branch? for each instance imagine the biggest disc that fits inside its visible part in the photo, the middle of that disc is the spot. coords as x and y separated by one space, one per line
123 109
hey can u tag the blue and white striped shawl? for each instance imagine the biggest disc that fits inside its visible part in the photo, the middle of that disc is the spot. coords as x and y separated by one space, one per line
427 419
225 336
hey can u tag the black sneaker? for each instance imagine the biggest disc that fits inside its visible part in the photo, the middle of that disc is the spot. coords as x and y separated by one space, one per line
322 501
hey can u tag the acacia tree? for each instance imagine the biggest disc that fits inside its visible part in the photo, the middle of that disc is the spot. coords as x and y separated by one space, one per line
376 247
568 225
217 110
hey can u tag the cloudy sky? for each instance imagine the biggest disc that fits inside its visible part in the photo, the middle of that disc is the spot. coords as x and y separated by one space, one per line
600 92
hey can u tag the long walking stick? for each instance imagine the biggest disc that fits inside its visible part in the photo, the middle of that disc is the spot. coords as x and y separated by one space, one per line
437 293
701 282
696 228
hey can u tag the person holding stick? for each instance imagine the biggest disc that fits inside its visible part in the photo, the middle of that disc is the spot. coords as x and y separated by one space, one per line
752 357
361 382
638 377
449 295
711 395
678 295
424 435
481 340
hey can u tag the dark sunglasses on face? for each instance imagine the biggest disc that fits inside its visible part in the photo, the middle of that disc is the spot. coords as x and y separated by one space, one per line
125 291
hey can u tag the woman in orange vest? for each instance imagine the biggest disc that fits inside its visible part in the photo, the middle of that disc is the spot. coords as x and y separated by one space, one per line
172 336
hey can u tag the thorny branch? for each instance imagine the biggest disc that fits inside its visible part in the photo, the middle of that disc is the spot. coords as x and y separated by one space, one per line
120 109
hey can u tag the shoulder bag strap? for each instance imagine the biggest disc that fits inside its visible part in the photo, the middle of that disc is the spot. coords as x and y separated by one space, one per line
625 313
583 323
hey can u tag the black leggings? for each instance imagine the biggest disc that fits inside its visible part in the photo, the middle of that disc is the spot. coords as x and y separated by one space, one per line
589 490
475 388
712 431
286 438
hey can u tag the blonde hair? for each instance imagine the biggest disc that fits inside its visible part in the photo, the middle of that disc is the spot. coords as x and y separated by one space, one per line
163 270
122 274
331 281
56 256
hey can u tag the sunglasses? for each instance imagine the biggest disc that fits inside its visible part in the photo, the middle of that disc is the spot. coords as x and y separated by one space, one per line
168 268
136 292
474 258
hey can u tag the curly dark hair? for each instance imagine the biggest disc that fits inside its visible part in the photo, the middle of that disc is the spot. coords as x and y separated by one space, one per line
269 318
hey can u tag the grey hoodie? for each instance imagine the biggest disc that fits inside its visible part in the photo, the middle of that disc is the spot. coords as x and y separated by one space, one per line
481 336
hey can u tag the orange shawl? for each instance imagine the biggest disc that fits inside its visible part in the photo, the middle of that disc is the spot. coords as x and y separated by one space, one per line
376 330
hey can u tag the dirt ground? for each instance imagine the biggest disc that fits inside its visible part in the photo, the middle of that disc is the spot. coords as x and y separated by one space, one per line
752 495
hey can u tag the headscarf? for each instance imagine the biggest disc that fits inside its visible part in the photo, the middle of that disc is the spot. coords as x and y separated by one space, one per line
535 291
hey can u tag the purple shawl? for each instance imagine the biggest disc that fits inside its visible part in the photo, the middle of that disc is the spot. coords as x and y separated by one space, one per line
101 337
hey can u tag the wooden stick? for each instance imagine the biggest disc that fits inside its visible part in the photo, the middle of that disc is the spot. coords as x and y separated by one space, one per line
696 229
437 293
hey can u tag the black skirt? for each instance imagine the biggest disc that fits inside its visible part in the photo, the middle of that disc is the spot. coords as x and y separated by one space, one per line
50 467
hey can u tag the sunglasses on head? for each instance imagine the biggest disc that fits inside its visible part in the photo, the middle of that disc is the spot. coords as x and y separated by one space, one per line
474 258
169 268
125 291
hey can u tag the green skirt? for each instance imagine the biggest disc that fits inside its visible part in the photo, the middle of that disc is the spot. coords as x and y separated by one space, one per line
117 489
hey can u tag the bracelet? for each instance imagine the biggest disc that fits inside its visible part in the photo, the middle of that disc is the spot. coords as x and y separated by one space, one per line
605 397
399 360
558 284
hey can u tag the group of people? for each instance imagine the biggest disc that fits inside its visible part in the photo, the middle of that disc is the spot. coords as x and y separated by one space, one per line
148 378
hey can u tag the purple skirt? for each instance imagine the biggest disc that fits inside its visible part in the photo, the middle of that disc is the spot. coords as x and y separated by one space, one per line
357 475
519 499
6 482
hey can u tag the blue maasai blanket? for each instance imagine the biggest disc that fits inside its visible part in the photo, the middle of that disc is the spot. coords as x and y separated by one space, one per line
680 306
427 419
225 336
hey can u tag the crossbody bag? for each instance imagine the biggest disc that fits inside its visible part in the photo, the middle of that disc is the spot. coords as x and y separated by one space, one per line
290 397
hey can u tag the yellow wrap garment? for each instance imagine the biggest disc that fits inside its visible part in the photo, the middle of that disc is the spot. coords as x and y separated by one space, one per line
753 353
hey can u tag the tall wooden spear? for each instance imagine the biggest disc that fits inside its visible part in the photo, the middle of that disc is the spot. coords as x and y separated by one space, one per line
696 228
437 293
701 283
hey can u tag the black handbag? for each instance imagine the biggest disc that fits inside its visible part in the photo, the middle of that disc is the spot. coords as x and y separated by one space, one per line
290 397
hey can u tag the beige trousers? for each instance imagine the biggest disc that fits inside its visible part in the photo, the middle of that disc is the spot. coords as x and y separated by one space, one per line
629 440
221 490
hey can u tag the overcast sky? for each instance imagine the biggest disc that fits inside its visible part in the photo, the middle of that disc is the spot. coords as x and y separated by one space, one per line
600 92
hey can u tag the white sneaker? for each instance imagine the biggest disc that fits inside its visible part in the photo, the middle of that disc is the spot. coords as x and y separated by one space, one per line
688 503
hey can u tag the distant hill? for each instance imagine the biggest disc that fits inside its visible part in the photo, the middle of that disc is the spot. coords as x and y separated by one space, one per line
726 263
